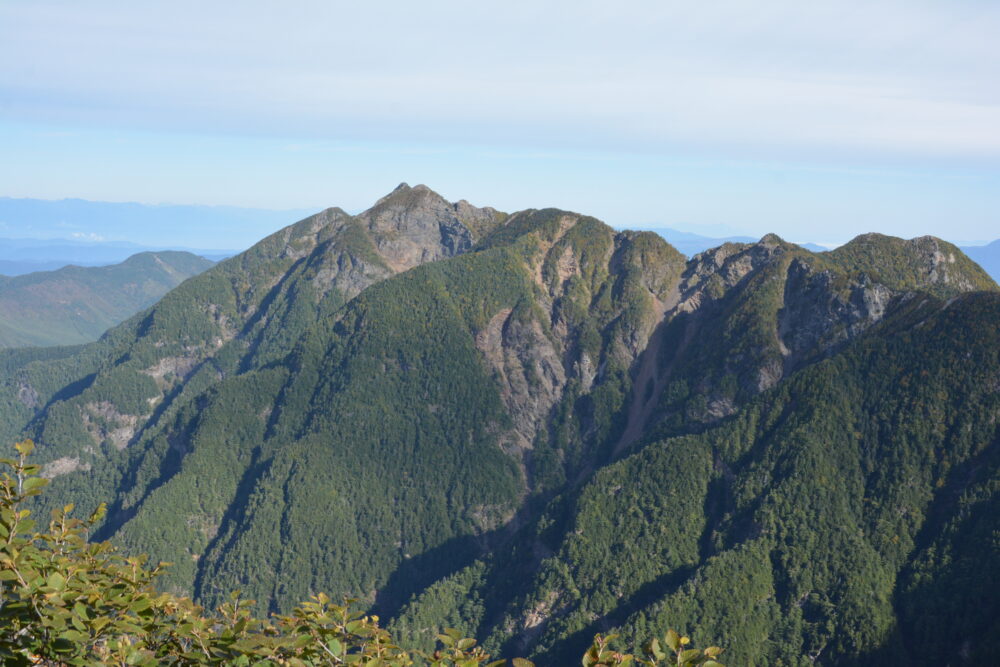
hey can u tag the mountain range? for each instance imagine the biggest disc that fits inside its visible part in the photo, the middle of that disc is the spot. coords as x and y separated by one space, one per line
691 244
21 256
149 226
987 256
76 304
78 231
531 427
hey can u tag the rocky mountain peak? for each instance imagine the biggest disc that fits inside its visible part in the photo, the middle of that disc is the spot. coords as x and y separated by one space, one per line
924 263
731 262
413 225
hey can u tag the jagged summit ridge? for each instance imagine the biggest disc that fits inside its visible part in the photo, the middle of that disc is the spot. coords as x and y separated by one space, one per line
925 262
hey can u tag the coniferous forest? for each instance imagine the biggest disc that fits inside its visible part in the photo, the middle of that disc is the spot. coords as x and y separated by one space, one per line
522 430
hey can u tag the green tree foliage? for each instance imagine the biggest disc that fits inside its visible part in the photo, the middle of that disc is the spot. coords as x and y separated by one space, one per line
66 601
846 516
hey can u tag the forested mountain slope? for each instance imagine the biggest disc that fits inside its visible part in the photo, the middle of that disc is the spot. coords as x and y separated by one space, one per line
531 427
77 304
848 515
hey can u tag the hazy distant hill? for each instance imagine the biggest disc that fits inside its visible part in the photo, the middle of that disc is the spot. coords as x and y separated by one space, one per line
152 227
692 244
77 304
21 256
987 256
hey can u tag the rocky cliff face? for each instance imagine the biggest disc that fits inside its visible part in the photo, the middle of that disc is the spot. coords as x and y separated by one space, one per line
744 316
818 314
410 226
599 295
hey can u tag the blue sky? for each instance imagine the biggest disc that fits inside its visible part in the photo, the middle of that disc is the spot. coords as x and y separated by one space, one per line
816 120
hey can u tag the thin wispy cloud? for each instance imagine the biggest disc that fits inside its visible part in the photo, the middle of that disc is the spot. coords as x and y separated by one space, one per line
88 236
898 78
815 120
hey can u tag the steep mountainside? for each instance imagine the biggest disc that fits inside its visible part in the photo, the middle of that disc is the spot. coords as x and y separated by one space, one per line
76 305
491 343
532 427
847 515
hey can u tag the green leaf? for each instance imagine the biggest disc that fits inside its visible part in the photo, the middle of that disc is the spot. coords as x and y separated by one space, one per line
673 640
654 650
73 635
356 627
689 654
56 581
141 604
99 513
63 645
33 483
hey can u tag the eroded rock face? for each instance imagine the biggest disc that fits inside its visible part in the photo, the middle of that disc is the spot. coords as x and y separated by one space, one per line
818 316
348 272
63 466
411 226
27 395
550 357
479 221
941 264
106 424
713 273
528 369
812 308
168 371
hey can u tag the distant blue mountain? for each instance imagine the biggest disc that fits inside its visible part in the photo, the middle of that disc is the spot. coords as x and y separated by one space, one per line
986 256
692 244
21 256
149 226
90 233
